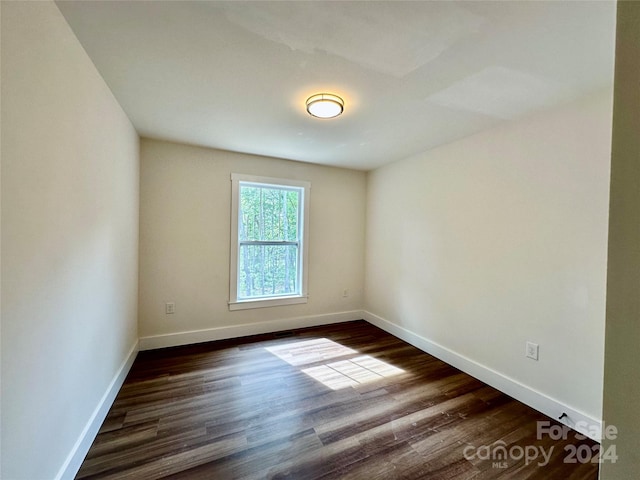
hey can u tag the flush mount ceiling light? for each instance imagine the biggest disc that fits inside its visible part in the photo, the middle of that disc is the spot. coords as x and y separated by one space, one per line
325 105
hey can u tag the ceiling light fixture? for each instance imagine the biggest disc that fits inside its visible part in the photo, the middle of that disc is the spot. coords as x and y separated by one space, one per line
325 105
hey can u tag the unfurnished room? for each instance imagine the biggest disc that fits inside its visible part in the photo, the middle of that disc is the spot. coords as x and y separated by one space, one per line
319 240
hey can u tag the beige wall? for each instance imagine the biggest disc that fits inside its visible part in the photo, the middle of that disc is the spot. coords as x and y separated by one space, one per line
622 366
185 195
499 239
69 240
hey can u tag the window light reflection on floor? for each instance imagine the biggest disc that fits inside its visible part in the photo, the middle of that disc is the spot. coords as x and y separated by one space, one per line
337 374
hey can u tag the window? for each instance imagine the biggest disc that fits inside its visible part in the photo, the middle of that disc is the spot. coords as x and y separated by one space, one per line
269 233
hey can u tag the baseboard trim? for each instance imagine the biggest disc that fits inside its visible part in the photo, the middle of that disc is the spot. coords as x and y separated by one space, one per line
551 407
243 330
75 458
579 421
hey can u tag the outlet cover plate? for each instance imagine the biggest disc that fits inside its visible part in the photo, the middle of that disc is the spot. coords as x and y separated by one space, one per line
532 350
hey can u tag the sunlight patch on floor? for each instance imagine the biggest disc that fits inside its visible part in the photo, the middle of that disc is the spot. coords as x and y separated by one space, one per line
310 351
337 374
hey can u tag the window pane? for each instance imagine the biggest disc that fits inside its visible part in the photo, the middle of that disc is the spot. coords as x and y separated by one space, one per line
268 214
266 270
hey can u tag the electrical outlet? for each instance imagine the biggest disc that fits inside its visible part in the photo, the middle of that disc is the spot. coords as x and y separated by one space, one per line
532 350
345 293
169 308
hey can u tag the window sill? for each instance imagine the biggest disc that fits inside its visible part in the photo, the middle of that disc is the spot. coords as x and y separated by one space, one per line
269 302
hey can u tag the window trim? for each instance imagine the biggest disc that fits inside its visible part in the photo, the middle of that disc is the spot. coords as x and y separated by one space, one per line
234 302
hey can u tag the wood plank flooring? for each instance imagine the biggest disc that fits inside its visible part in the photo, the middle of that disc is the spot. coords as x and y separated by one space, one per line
346 401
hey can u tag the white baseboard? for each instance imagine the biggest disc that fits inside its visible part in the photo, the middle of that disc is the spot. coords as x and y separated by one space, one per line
75 458
575 419
581 422
243 330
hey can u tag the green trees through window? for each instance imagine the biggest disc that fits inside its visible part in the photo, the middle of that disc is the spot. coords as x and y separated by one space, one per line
269 219
269 241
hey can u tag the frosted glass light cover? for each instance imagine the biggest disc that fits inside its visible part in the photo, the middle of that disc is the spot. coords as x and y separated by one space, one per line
325 105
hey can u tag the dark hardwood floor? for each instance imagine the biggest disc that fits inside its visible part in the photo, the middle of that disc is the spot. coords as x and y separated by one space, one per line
346 401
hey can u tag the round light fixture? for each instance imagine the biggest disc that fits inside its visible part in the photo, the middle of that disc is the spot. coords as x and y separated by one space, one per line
325 105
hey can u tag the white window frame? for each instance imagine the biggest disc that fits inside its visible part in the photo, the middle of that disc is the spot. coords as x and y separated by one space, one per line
303 251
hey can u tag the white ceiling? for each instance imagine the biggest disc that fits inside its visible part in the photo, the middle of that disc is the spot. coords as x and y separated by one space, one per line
414 75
